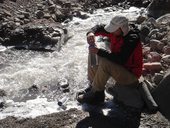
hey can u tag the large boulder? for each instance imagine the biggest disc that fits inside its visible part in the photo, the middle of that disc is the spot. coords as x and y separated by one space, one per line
158 8
161 95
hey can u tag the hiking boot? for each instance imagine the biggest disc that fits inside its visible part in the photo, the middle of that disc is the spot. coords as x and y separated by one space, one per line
91 97
84 91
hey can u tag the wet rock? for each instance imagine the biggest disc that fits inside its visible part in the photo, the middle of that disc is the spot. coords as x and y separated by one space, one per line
140 19
2 93
54 40
66 90
1 104
33 89
63 83
2 101
56 34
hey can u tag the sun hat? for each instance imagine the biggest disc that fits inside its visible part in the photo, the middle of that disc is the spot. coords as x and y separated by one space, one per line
118 22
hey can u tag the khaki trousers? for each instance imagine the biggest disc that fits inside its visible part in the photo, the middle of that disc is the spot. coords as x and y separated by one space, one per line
98 75
125 90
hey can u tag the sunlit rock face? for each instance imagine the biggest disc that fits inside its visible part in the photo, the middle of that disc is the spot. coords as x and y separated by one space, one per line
158 8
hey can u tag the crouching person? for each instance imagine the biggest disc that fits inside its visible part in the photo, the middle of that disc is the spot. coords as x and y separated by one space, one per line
123 63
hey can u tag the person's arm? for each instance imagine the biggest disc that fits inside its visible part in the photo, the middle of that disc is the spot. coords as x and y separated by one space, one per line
130 43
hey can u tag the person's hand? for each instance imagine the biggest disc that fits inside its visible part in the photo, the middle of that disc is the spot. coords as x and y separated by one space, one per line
91 39
93 49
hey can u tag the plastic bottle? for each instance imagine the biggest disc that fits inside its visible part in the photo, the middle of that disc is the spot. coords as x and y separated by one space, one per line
93 58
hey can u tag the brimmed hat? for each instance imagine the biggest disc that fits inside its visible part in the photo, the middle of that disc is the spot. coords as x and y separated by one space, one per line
118 22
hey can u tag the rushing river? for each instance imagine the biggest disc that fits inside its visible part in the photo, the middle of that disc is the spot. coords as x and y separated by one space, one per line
19 70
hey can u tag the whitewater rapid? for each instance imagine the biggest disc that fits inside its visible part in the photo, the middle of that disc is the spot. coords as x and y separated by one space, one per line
19 70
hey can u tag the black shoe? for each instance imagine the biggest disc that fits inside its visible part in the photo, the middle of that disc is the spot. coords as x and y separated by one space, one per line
91 97
84 91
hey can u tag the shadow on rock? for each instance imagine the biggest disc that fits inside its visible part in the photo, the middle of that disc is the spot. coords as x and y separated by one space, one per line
99 121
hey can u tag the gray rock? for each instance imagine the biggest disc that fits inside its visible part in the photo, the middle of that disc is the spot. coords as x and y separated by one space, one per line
160 46
144 33
2 93
1 40
47 15
153 31
161 95
7 13
163 19
166 50
52 9
54 40
157 78
40 6
1 1
39 14
63 83
50 2
158 8
153 44
166 59
56 34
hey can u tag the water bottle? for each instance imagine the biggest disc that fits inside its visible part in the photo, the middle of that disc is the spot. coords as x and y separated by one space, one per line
93 58
62 102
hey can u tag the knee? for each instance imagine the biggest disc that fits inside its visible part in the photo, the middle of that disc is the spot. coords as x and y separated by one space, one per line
103 62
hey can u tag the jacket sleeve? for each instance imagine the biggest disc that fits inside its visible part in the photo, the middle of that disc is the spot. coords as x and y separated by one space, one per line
98 30
130 43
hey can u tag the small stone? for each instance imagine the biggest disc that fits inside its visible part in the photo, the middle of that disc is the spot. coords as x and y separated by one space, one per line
66 90
154 31
140 19
166 50
39 14
146 51
1 40
153 44
155 57
2 93
157 78
2 104
160 46
63 83
166 58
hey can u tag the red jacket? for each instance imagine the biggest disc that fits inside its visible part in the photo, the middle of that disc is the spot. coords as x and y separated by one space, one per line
127 51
